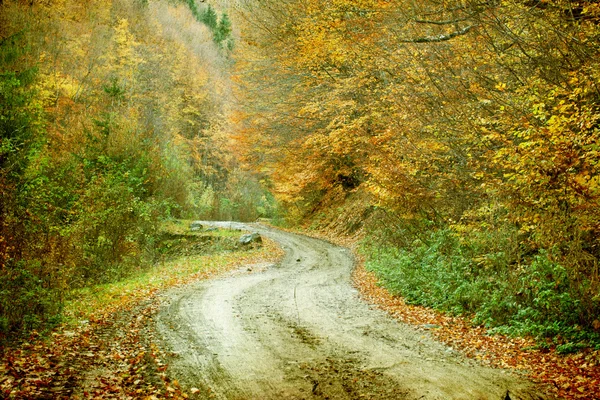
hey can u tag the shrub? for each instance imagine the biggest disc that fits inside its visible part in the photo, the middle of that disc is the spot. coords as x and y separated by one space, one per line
27 300
113 227
536 297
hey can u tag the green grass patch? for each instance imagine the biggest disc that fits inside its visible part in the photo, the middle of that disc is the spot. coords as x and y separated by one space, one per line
96 301
182 227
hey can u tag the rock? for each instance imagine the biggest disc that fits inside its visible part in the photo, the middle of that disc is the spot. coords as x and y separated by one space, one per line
196 226
250 238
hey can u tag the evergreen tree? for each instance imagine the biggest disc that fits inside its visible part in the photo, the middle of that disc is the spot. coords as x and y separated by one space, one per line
209 18
223 30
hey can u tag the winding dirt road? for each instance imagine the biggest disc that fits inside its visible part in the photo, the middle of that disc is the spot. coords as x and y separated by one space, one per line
298 330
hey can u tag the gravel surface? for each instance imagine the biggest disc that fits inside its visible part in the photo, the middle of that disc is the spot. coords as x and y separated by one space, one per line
298 330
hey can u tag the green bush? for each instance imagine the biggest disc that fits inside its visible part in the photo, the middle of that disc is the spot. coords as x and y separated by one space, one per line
537 297
27 300
114 227
432 275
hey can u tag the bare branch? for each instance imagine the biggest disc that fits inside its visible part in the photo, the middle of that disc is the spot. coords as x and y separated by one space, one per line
440 38
447 22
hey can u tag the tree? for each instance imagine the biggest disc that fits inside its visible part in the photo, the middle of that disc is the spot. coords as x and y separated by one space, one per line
209 18
110 121
476 117
223 31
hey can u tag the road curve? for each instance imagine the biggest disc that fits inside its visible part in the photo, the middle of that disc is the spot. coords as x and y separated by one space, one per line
298 330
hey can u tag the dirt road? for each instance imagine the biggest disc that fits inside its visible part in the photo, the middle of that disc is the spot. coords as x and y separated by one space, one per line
298 330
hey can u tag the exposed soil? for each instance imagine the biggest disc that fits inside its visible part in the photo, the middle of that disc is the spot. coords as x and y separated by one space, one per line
298 330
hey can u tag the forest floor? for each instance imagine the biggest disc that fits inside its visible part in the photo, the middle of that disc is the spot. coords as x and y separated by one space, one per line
106 349
267 327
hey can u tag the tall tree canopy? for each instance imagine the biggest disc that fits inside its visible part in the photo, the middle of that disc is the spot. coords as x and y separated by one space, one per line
478 117
112 118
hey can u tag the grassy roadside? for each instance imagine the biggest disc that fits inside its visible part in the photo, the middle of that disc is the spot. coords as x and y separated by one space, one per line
106 348
179 266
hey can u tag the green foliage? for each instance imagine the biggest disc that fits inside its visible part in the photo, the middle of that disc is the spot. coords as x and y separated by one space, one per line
193 8
114 226
17 119
209 18
429 273
244 199
27 301
220 27
205 203
223 32
534 297
114 89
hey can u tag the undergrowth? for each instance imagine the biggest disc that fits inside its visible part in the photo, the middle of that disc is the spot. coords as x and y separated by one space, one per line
534 297
185 256
180 255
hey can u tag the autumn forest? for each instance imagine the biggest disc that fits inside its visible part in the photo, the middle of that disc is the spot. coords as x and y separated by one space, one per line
458 141
460 138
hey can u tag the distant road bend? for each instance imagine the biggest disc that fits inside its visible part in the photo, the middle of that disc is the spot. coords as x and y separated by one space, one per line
298 330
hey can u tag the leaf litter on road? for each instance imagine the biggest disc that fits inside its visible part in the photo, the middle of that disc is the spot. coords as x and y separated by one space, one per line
568 376
572 376
112 353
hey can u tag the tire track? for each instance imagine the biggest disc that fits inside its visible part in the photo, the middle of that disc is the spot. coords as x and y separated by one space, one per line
298 330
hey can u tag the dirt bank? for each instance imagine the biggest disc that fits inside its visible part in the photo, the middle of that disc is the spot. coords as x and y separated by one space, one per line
298 330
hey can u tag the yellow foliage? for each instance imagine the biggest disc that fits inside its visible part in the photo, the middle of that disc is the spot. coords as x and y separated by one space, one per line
432 108
52 86
122 58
